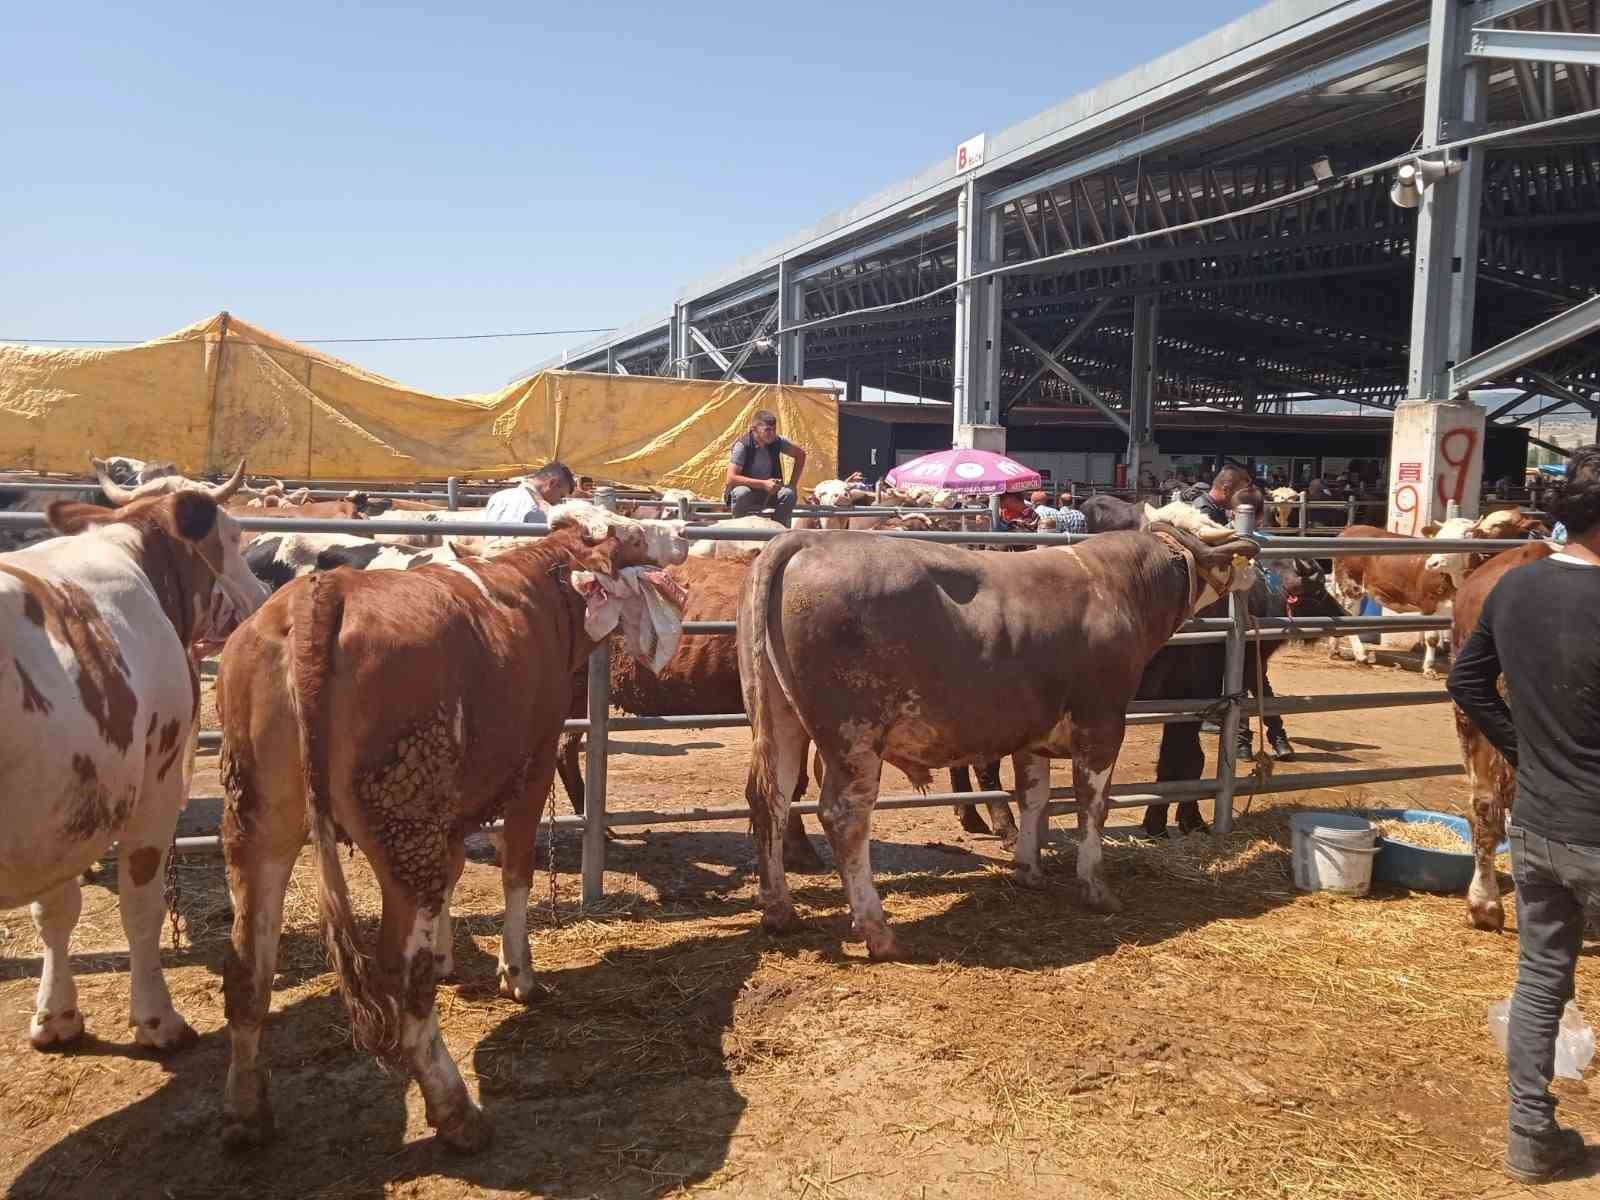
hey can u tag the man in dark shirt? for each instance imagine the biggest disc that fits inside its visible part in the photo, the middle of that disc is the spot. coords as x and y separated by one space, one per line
755 474
1540 628
1217 502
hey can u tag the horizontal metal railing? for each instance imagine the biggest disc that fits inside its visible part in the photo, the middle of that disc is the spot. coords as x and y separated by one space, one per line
1235 631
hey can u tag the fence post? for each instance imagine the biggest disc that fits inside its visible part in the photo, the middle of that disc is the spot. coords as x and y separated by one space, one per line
1452 510
594 775
1349 511
452 492
683 508
1305 513
1244 519
994 515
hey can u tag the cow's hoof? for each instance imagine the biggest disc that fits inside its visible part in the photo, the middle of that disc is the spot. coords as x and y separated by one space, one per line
239 1135
247 1131
165 1035
1029 875
1431 675
1008 838
780 921
518 983
58 1031
971 819
802 858
467 1131
1187 829
1100 899
881 944
1489 917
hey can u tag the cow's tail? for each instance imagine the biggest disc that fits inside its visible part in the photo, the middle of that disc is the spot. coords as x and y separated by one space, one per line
373 1009
763 592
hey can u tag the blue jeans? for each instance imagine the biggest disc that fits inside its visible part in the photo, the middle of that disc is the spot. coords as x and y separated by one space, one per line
1556 881
747 501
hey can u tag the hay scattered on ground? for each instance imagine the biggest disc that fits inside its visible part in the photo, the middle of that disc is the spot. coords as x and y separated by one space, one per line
1429 835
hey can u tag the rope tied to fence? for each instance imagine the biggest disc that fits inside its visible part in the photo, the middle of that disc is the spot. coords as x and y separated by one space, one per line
1261 762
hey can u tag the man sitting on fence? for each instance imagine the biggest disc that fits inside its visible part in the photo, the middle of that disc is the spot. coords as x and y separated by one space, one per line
755 475
533 497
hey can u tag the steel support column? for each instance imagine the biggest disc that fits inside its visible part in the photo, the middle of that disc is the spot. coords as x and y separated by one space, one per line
680 341
791 312
1445 270
975 380
1141 393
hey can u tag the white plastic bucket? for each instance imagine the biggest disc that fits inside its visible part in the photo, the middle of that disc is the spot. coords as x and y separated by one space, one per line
1332 852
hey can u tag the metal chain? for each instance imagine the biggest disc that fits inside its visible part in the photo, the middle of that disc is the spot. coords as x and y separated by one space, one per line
172 892
550 826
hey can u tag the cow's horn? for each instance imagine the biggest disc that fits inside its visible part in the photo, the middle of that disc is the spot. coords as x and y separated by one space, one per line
115 492
226 490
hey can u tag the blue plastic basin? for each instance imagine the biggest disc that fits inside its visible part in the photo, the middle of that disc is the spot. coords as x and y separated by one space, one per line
1418 867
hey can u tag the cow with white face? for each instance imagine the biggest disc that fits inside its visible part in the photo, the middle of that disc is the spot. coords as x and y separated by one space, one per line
101 696
1509 524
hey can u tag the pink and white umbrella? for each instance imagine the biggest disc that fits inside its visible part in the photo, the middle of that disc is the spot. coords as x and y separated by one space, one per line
977 471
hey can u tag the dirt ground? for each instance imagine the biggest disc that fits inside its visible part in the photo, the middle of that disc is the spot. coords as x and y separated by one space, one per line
1224 1036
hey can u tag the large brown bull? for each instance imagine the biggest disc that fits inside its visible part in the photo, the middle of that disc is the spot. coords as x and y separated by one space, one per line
399 710
927 656
1490 778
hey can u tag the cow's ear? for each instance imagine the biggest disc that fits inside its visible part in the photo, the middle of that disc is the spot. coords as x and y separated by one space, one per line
194 514
74 516
1431 529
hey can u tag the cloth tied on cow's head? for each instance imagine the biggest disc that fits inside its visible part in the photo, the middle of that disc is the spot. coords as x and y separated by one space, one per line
645 600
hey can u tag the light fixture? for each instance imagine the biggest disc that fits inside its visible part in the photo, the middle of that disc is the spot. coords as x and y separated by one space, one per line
1404 192
1417 174
1322 169
763 344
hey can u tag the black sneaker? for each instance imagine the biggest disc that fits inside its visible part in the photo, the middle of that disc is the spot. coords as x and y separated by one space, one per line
1282 748
1540 1157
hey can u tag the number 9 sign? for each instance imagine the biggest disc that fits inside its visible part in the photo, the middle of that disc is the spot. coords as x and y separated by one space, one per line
1466 440
1405 502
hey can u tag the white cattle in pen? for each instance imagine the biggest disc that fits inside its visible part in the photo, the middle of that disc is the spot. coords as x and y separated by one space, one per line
101 694
735 550
1281 502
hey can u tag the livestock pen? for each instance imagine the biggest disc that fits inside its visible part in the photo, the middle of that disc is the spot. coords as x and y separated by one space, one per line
1221 1038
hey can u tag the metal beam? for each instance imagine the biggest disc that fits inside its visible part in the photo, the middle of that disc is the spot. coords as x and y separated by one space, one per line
1556 390
975 367
762 326
1085 323
1445 259
713 353
1498 361
791 312
1142 386
1536 45
1068 377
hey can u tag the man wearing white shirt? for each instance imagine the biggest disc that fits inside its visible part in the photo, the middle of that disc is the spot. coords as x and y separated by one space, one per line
533 497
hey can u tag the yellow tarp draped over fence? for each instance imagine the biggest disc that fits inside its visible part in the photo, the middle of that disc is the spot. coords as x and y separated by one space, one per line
221 390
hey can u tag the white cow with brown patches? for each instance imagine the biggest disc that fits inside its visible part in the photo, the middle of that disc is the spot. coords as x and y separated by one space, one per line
101 697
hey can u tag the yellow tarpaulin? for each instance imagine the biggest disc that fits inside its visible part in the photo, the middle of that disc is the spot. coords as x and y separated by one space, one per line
222 390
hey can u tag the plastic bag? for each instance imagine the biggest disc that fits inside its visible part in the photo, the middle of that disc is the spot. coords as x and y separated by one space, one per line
1574 1039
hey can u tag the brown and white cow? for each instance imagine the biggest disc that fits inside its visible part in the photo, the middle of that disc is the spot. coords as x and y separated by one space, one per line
101 697
926 656
1509 524
350 508
1491 779
399 710
1401 583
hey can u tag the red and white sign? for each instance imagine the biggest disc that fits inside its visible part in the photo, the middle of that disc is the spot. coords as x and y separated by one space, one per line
1411 472
1437 457
969 155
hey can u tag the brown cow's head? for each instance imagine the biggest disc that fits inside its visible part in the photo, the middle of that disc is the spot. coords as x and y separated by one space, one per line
189 549
621 579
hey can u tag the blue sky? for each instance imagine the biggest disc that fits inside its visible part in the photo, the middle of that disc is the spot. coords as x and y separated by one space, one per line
351 171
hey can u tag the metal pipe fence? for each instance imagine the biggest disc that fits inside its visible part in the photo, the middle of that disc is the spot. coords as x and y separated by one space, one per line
1236 630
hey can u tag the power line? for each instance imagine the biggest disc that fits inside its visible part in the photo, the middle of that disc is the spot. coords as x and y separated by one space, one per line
325 341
